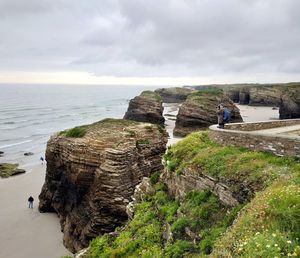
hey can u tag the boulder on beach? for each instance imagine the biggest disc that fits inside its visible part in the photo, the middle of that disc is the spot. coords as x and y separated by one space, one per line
28 153
198 112
147 107
8 169
92 172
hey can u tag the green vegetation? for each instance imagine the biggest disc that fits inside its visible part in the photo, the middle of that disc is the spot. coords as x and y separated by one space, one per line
152 95
149 128
140 142
204 93
199 152
8 169
76 132
268 225
201 212
131 133
155 177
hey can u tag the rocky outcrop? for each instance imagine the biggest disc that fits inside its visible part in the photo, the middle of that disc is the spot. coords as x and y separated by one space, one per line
90 180
174 94
141 190
244 96
199 112
146 108
265 96
194 180
290 103
8 169
259 95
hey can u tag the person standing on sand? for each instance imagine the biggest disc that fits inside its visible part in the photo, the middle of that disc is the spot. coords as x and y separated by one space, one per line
30 202
220 115
42 159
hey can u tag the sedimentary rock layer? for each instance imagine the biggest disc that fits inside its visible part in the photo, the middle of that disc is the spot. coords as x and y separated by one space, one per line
290 103
174 94
146 108
90 180
199 112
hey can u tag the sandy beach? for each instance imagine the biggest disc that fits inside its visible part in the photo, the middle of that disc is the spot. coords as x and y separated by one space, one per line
26 232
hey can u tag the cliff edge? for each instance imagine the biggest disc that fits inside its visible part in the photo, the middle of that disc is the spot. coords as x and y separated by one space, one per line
92 172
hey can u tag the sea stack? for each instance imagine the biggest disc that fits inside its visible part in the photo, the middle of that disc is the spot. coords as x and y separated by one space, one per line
198 112
92 172
147 107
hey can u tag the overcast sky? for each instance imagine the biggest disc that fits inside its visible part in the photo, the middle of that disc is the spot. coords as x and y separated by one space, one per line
149 41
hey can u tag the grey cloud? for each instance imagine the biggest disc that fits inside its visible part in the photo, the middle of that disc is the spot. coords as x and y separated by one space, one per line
151 38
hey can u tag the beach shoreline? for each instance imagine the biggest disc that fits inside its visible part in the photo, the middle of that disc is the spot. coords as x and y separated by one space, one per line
27 232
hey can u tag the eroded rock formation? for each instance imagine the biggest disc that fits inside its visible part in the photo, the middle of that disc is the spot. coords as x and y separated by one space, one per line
199 112
147 107
174 94
194 180
90 180
290 103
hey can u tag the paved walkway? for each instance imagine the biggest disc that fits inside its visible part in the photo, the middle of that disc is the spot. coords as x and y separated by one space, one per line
281 130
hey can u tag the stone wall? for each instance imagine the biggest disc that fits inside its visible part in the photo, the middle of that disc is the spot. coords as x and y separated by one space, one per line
280 145
261 125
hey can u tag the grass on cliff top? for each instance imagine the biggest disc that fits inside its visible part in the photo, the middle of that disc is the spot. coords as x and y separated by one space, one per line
206 92
80 131
152 95
228 163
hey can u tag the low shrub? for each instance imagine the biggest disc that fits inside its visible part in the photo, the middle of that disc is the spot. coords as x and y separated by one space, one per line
76 132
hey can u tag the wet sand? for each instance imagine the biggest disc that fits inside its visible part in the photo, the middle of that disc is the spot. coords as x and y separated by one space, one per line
24 232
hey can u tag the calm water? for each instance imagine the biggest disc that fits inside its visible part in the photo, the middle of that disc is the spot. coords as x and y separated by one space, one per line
31 113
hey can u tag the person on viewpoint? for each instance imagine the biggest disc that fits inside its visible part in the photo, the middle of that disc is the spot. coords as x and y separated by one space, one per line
220 115
30 202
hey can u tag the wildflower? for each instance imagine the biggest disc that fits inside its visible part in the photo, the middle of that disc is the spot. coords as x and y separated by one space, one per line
275 245
268 246
273 235
289 254
289 241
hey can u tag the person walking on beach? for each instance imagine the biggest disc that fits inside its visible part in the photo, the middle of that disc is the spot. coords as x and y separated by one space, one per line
30 202
42 159
220 115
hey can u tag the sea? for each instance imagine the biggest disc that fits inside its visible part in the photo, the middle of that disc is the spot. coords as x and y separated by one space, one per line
30 114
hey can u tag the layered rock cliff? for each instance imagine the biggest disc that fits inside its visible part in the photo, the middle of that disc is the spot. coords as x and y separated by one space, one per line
174 94
147 107
290 103
199 111
90 179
